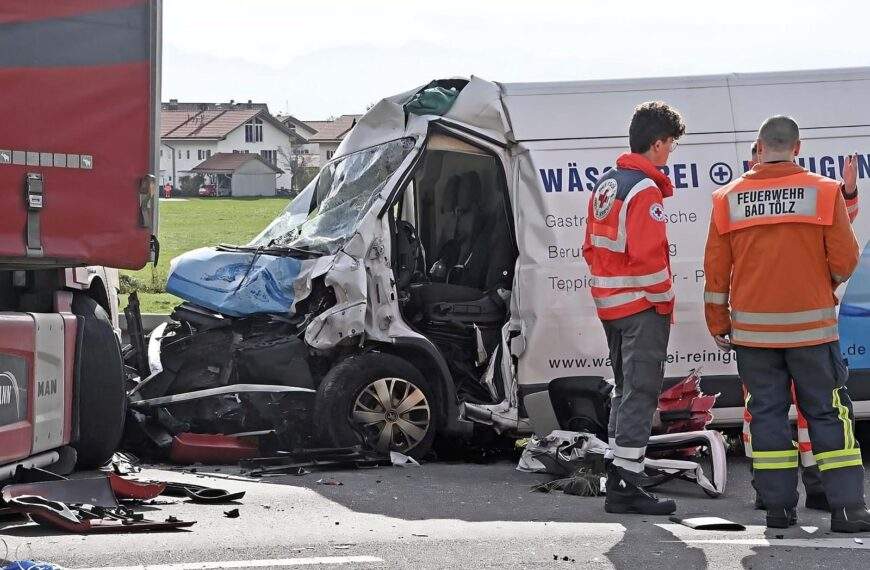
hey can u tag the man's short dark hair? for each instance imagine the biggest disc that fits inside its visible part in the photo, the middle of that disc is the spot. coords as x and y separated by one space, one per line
779 133
653 121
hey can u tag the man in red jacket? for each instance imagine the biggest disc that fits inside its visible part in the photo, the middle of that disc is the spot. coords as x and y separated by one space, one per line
626 247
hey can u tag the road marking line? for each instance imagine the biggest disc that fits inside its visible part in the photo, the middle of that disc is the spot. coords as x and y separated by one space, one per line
276 563
793 542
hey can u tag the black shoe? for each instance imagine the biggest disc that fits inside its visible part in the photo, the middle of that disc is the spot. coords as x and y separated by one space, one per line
817 501
850 519
759 504
781 517
624 496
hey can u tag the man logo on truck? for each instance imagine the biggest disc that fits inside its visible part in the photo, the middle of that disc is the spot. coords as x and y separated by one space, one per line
46 388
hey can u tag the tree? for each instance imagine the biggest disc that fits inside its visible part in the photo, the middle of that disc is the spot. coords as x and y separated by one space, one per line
296 164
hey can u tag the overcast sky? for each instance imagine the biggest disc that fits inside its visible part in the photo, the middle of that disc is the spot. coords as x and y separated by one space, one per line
321 58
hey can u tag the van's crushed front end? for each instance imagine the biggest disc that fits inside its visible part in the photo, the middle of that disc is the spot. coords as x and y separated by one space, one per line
273 314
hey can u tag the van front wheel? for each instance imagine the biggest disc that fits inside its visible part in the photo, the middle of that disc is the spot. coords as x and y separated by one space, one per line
380 399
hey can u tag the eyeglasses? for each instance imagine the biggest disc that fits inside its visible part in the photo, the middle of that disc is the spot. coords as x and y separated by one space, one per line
674 145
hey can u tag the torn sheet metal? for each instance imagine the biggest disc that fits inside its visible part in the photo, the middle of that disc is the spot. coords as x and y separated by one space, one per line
155 365
503 417
95 491
231 389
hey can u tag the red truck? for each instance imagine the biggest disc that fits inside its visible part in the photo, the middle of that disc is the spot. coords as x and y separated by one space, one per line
80 93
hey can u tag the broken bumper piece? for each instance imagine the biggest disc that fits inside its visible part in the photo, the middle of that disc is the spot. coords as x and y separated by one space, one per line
82 520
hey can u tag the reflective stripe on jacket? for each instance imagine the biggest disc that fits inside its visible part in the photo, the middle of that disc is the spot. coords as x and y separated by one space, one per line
626 245
851 206
779 244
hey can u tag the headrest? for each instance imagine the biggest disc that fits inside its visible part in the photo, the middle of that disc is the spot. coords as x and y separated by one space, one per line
469 191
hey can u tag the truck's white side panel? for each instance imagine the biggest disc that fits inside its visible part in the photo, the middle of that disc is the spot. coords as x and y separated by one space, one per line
48 416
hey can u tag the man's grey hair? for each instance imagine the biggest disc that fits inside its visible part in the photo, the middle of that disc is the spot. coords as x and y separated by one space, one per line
779 133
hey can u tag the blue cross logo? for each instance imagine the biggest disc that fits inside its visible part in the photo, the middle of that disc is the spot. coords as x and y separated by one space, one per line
721 173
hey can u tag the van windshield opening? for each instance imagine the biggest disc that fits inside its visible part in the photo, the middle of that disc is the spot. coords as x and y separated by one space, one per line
329 210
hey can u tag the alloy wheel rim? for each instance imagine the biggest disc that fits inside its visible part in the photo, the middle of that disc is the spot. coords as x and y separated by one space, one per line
393 413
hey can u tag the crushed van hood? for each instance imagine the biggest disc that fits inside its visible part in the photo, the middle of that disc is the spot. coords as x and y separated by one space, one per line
241 283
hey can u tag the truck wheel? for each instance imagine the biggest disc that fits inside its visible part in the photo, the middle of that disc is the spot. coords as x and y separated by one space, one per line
101 403
379 398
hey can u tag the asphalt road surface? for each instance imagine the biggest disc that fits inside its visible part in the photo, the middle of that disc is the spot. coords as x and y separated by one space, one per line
439 516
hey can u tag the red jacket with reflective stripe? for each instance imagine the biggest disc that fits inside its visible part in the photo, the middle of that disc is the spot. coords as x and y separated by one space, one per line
626 245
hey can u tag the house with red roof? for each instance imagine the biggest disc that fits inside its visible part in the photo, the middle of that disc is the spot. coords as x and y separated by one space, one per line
191 133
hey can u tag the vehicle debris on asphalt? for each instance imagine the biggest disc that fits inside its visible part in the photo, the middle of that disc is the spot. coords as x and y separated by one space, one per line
699 522
677 450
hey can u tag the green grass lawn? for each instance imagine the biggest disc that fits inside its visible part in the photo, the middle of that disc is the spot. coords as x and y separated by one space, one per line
199 222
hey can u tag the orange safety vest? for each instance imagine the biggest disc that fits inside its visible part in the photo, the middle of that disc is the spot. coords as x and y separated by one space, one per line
779 243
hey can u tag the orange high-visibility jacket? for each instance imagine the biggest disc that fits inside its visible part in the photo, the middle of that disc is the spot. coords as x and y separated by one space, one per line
779 243
626 244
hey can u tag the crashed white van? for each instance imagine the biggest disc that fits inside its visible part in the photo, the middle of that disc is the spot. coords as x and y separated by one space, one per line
431 276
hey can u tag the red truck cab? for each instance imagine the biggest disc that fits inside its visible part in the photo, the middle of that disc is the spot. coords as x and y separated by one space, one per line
78 161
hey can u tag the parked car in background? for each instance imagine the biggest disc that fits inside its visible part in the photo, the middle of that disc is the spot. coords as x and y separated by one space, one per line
212 190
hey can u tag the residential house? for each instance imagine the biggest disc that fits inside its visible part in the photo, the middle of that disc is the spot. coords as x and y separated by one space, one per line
239 174
328 135
191 133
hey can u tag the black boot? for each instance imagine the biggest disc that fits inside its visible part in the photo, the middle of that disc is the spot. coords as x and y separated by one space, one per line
625 496
781 517
818 502
850 519
759 504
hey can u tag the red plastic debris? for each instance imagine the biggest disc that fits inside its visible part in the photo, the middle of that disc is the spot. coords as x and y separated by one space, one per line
133 489
211 449
684 407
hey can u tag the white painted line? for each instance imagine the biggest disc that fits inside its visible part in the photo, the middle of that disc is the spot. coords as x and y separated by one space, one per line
792 542
276 563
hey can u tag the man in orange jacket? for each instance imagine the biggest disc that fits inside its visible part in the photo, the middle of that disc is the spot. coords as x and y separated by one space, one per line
812 478
779 244
626 247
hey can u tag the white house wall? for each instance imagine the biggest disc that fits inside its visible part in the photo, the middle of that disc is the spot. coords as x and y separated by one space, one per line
186 157
273 139
253 179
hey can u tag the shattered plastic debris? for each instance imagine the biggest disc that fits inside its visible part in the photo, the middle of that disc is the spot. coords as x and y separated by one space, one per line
93 491
27 565
133 489
402 460
84 520
232 514
212 449
706 523
200 494
330 482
